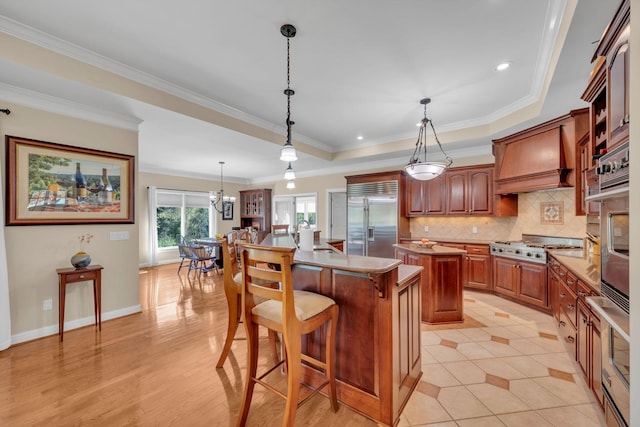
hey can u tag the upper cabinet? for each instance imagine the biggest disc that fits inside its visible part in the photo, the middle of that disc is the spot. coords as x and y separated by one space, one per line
460 191
618 74
470 191
426 197
542 157
607 93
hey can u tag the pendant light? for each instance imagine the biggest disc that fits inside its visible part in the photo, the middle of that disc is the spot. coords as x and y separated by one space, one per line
288 152
419 168
289 174
218 199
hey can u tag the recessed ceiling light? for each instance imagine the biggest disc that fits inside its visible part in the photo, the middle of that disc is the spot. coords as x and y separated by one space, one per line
360 137
502 67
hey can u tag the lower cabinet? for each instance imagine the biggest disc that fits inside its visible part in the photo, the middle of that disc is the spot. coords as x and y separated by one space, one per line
476 265
524 281
578 325
441 286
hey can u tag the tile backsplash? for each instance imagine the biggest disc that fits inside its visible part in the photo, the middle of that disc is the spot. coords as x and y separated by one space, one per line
530 220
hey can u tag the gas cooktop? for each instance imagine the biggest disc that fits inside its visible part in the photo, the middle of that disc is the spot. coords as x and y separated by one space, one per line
533 247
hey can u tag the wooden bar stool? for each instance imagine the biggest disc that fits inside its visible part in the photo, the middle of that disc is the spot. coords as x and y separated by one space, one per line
291 313
232 280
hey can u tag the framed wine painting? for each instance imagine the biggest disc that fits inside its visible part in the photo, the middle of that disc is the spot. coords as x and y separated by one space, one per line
50 183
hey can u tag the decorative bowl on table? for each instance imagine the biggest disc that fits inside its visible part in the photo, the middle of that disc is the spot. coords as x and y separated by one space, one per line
425 245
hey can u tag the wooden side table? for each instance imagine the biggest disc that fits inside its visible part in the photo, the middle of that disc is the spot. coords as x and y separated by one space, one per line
73 275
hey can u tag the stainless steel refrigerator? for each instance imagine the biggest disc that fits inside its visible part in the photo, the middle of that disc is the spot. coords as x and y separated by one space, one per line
372 219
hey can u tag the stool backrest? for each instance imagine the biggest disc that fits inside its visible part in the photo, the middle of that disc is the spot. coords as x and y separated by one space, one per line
261 268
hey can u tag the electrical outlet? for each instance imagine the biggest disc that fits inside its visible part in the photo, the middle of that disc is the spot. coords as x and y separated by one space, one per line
426 228
47 304
474 230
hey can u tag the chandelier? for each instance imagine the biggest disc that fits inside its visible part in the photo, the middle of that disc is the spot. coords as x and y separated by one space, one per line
218 199
288 152
418 166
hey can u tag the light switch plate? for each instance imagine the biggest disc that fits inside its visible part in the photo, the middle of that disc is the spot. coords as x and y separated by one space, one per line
119 235
474 230
426 228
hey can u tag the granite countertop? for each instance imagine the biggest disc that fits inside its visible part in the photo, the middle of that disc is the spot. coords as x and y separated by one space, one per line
324 255
452 240
407 272
436 250
582 264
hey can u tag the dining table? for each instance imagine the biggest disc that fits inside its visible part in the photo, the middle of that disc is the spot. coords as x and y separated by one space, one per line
214 246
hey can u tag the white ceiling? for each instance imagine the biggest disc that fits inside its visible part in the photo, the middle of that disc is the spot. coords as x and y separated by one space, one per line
358 67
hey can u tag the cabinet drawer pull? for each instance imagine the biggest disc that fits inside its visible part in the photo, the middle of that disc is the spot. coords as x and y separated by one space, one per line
562 295
570 282
82 276
570 306
586 322
582 294
562 323
571 339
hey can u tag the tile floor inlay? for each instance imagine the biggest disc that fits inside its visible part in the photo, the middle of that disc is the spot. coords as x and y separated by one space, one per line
505 365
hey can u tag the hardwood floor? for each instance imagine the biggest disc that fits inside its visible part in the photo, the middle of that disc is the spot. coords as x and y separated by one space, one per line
154 368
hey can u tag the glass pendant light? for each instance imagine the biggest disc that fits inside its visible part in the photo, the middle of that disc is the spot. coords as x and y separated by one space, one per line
289 174
288 152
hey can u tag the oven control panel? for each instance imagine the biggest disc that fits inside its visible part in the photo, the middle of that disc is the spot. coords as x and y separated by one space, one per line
613 168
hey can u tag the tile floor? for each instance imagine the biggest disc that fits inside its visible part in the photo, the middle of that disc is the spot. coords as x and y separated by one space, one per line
508 369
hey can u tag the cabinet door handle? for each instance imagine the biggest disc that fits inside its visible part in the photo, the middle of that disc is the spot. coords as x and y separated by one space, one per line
571 282
570 306
562 323
571 339
562 295
582 294
586 322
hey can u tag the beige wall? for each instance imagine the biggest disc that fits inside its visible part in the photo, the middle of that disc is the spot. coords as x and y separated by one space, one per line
35 252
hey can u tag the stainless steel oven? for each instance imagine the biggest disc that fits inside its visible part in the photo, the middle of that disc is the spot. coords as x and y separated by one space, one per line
616 371
613 171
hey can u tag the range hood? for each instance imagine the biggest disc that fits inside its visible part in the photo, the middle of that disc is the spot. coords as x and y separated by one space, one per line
540 158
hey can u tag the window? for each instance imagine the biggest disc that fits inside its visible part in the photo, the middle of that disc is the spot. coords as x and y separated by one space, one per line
293 209
180 213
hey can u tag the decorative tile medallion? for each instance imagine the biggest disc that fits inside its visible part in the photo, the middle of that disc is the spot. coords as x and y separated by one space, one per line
552 212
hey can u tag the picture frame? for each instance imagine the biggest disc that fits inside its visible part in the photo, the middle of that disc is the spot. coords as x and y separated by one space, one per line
227 211
49 183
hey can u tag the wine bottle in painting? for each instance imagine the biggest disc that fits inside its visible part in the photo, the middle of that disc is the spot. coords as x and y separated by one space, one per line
81 185
106 192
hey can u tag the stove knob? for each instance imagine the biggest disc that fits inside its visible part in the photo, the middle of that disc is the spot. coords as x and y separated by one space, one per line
518 251
538 256
529 254
500 250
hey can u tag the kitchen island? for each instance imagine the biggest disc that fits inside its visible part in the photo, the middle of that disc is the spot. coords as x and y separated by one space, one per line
378 363
441 285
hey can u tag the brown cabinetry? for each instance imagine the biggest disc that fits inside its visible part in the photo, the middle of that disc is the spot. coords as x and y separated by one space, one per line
578 325
589 343
255 209
476 265
426 197
441 286
523 281
459 191
618 86
542 157
469 191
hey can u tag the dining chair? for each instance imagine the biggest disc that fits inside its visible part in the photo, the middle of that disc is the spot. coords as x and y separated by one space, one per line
202 260
232 281
279 228
290 313
185 255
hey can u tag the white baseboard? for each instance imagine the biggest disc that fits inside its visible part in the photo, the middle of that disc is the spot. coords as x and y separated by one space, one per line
72 324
